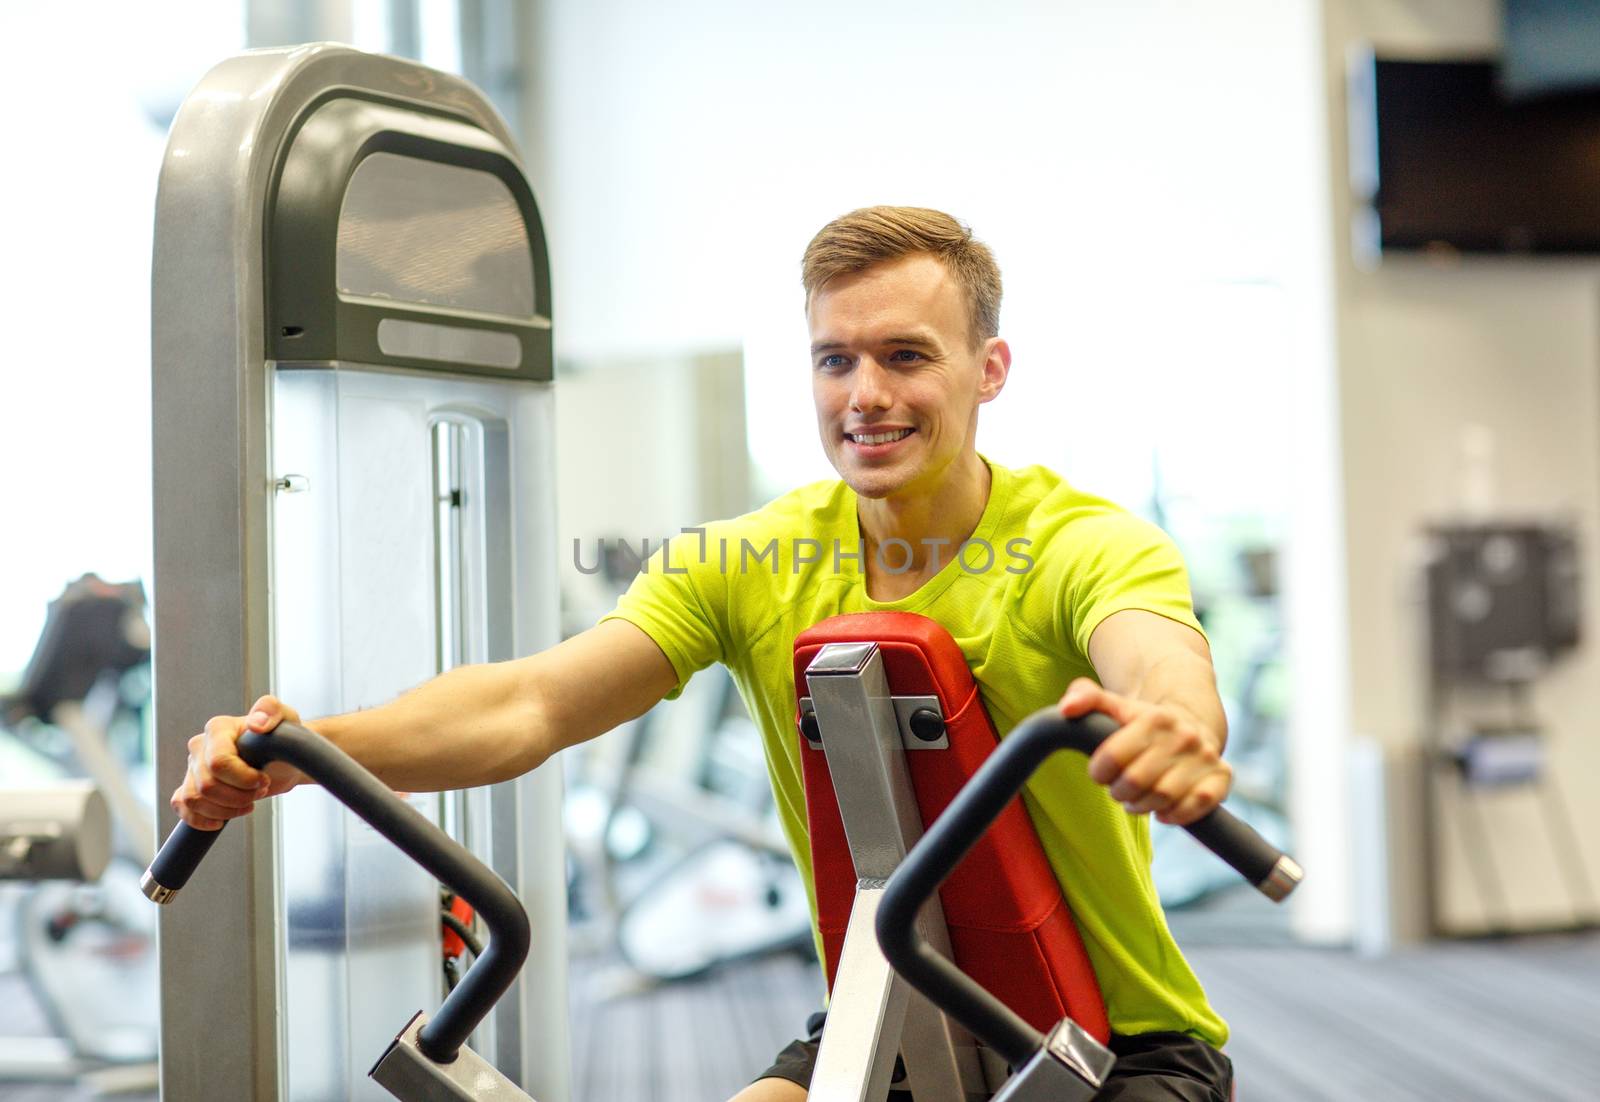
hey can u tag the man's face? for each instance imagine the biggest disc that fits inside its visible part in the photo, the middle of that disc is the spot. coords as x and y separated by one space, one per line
896 377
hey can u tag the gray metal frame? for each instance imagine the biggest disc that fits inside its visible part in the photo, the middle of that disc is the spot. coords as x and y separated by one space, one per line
221 963
1071 1066
873 1013
405 1071
904 708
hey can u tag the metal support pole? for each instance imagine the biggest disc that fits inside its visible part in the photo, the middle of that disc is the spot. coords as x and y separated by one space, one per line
874 1013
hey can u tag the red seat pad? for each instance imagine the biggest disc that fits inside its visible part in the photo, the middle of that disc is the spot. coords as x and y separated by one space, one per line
1010 926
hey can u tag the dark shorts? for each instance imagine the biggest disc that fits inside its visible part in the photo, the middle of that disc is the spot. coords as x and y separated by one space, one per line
1150 1067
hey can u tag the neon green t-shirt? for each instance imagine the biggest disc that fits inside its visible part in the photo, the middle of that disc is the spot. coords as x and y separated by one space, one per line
1044 567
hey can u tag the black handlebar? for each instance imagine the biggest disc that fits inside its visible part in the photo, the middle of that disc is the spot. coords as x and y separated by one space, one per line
425 843
996 783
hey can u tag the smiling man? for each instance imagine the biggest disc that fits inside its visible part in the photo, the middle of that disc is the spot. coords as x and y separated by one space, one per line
1052 594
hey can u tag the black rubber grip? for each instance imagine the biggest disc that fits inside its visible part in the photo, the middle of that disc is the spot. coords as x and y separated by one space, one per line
425 843
974 809
1236 842
182 853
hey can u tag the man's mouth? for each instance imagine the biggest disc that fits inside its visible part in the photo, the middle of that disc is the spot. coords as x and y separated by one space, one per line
878 437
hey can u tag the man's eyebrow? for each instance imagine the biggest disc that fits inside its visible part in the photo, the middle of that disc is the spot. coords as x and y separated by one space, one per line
917 340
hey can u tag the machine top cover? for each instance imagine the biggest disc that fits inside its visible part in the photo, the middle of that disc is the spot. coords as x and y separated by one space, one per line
401 237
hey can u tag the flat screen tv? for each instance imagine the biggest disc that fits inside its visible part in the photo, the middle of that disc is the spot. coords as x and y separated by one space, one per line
1442 160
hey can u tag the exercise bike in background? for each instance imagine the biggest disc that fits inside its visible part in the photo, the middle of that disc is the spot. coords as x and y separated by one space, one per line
681 863
87 951
676 859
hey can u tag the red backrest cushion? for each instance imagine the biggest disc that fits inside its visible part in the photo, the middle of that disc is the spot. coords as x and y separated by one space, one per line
1010 927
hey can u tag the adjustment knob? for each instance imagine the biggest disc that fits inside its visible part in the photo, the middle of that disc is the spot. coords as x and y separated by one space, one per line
927 725
809 727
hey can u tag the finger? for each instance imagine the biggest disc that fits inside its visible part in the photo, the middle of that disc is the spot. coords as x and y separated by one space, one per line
1202 798
1082 697
201 813
280 779
1086 695
1151 802
1117 753
222 758
223 775
203 784
1174 757
204 781
220 794
265 714
200 808
1170 788
278 709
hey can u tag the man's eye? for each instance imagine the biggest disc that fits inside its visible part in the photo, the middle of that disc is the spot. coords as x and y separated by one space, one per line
906 355
831 360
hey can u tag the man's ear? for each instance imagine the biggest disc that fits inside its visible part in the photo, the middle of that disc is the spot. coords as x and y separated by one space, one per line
996 367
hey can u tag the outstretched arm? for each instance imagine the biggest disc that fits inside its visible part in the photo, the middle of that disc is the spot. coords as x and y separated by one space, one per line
1157 681
470 726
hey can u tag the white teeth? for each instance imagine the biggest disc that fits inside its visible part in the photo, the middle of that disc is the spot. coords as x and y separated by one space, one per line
880 437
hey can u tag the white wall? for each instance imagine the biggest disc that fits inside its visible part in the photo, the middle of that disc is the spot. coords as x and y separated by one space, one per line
1115 155
1428 353
1152 175
77 201
645 446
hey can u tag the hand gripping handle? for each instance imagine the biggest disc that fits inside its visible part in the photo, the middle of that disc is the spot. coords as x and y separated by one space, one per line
958 829
424 842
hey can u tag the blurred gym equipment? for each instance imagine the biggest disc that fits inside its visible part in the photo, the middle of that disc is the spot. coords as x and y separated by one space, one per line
62 832
709 880
84 942
1503 604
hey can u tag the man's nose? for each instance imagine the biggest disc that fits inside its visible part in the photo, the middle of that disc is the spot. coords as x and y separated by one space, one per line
869 386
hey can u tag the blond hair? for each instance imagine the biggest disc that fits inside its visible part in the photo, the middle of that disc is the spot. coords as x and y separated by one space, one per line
874 235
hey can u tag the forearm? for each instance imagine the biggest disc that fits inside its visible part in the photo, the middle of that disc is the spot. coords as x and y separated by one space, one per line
470 726
1156 681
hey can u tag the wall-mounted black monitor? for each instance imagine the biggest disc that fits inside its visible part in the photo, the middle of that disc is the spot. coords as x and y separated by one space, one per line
1442 159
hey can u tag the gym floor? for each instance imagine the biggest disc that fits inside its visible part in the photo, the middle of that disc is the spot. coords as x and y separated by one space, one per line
1457 1021
1463 1021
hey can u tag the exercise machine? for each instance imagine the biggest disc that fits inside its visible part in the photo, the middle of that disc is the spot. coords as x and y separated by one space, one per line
428 1059
1067 1063
353 447
894 736
94 634
54 832
903 1008
87 946
58 832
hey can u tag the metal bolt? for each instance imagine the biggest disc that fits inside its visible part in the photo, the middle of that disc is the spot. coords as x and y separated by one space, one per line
927 725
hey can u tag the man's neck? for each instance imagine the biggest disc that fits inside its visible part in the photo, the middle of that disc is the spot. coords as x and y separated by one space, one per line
933 525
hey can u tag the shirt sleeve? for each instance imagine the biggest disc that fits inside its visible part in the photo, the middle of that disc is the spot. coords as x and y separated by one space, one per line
1125 563
680 605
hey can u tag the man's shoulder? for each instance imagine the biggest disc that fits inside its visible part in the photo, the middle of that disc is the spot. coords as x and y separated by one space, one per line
1042 496
763 543
798 512
827 495
1066 522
